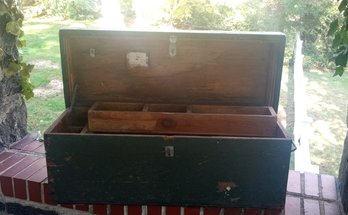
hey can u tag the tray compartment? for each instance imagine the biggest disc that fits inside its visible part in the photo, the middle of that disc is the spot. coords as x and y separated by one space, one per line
182 119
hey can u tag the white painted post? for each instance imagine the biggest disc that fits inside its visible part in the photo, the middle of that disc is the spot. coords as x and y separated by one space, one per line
302 121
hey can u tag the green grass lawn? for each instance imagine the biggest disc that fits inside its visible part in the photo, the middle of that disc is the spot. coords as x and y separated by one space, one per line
42 50
326 94
327 108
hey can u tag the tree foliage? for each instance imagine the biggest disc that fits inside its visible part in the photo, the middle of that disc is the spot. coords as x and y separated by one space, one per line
128 11
74 9
199 14
11 21
339 30
309 18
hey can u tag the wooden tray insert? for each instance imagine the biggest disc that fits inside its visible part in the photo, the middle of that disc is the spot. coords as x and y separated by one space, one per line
182 119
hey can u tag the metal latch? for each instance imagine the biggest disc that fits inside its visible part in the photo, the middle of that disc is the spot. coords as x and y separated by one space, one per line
169 151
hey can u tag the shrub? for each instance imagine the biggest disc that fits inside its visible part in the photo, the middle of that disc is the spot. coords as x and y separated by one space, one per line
200 14
74 9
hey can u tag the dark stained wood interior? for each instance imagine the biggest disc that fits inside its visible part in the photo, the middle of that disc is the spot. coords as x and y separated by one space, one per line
208 68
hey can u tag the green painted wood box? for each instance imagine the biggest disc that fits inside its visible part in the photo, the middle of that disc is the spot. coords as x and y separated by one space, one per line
170 118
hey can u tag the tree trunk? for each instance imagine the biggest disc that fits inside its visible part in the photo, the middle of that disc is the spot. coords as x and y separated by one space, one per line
13 113
343 173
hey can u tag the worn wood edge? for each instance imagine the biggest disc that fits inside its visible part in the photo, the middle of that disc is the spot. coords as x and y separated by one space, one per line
185 119
99 107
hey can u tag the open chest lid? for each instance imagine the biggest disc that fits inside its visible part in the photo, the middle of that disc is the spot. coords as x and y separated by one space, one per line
179 67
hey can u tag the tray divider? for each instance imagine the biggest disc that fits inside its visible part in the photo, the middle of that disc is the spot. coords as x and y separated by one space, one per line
145 108
189 109
84 130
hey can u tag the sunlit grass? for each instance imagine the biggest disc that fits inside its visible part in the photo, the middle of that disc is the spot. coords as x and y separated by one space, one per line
327 106
41 77
43 49
43 111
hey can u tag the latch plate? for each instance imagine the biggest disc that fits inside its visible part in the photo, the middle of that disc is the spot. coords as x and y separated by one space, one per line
169 151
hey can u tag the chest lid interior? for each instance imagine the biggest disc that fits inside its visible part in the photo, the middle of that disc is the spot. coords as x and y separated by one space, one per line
185 67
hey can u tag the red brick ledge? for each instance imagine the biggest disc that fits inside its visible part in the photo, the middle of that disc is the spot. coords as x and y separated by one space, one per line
310 193
23 176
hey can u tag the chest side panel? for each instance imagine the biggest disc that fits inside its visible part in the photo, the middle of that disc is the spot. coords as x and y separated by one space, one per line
224 172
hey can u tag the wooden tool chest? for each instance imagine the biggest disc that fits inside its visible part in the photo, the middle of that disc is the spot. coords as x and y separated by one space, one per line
170 118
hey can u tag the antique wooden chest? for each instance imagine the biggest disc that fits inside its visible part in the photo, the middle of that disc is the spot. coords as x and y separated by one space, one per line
170 118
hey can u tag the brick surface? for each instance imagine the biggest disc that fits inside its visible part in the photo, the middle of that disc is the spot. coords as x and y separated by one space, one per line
18 167
48 195
9 162
39 176
99 209
67 206
172 210
116 210
191 211
311 184
40 149
311 207
24 142
20 190
328 184
30 170
34 191
5 155
32 146
292 206
6 186
154 210
294 182
272 211
331 208
83 207
232 211
212 211
134 210
252 211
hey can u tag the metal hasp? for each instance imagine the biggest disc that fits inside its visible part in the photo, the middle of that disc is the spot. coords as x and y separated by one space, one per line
172 45
169 151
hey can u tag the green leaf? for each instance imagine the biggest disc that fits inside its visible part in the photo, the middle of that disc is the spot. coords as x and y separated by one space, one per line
27 89
341 59
342 5
13 28
344 37
339 71
21 43
336 41
333 27
3 8
14 67
2 53
345 13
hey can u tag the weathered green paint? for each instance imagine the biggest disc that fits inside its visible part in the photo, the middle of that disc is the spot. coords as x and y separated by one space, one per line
133 169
